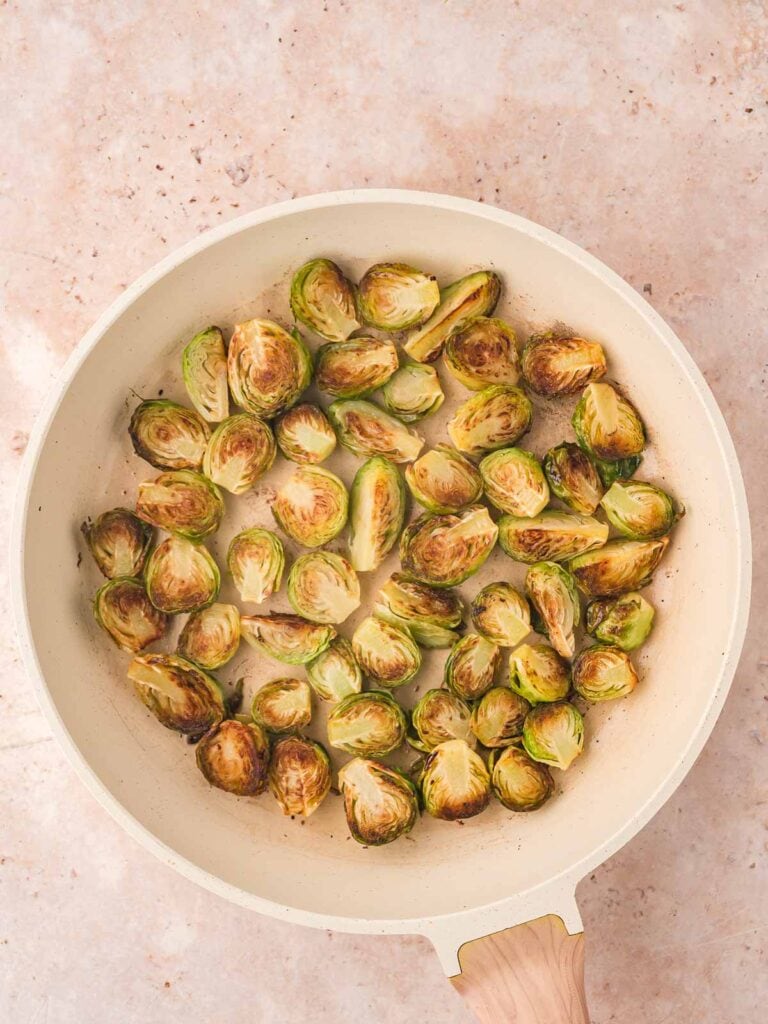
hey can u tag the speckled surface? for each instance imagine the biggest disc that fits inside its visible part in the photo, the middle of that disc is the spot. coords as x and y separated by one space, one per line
638 131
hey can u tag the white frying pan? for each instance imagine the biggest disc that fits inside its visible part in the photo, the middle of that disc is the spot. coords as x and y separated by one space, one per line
451 883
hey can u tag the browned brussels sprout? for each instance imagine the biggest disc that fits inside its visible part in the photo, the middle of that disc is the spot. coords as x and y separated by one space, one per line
455 783
234 756
168 435
124 611
519 782
555 366
483 352
179 694
299 775
573 477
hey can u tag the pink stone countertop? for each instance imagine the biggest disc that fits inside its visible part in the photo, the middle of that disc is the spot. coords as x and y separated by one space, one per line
637 130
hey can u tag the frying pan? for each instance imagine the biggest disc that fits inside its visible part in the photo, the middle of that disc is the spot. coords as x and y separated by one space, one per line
467 887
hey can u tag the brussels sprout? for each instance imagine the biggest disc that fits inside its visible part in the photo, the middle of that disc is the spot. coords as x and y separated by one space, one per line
431 616
256 559
376 513
305 435
119 542
497 718
287 638
501 614
555 366
387 654
439 716
639 510
573 477
367 724
323 587
122 609
349 369
284 705
181 502
620 566
551 536
210 638
241 449
495 417
552 591
324 300
482 352
455 783
204 368
179 694
443 481
607 425
471 666
380 803
471 296
554 734
234 756
168 435
623 622
181 576
514 482
335 673
311 506
365 429
519 782
394 296
539 674
299 775
621 469
413 392
268 368
603 673
445 550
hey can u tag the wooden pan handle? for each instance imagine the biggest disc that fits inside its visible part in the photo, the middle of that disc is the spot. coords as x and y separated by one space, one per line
530 974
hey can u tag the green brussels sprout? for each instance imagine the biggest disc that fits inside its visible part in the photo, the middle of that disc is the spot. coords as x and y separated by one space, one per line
552 591
241 450
497 718
181 576
256 560
376 513
311 506
554 734
323 587
119 542
439 716
387 654
519 782
268 368
367 724
445 550
455 783
179 694
431 616
349 369
514 482
210 638
299 775
555 366
607 425
501 614
481 352
539 674
167 435
284 705
618 567
471 296
621 469
603 673
471 666
443 481
365 430
324 300
394 296
380 803
287 638
124 611
335 674
639 510
551 536
204 368
573 477
234 756
181 502
413 392
495 417
304 434
623 622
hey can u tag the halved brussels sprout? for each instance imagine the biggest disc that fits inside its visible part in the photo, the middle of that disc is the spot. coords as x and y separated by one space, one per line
305 435
324 300
367 724
168 435
181 576
497 718
439 716
284 705
241 449
561 366
256 559
623 622
455 783
514 482
380 803
639 510
268 368
431 616
311 506
323 587
445 550
204 368
501 614
495 417
299 775
181 502
621 469
471 666
287 638
551 536
349 369
335 674
620 566
607 425
603 673
482 352
471 296
442 480
365 429
519 782
552 591
554 734
387 654
210 638
538 673
179 694
573 477
119 542
394 296
234 756
123 609
376 513
413 392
